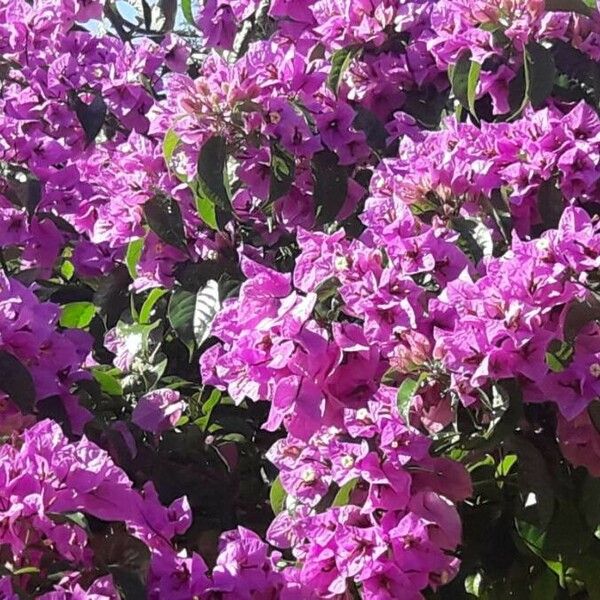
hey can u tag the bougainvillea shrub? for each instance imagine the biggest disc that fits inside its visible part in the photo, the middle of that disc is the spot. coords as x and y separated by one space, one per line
299 299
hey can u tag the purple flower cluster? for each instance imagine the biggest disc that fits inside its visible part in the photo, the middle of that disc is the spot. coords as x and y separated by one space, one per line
462 166
62 83
393 528
502 325
48 482
495 34
273 350
54 359
396 259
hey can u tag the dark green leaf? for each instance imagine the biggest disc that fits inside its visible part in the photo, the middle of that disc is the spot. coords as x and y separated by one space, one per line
588 570
91 116
590 501
580 314
464 78
147 11
163 216
476 237
112 295
331 185
283 169
206 306
26 194
542 72
212 172
566 533
583 7
129 584
594 413
550 204
372 127
181 316
545 586
535 483
340 62
191 313
16 381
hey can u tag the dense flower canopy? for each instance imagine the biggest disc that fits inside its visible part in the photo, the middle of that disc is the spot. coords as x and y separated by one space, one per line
299 299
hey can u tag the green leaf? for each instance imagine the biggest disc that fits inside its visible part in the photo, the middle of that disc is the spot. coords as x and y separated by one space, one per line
283 169
536 487
16 381
342 498
372 126
475 236
580 314
128 583
594 414
277 497
186 8
108 382
559 355
504 467
133 255
206 211
170 144
464 79
181 315
155 295
550 204
545 586
212 163
163 216
473 584
472 81
542 72
67 270
112 295
213 400
330 185
533 536
590 501
191 314
26 571
588 570
206 307
340 61
77 315
408 388
207 409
